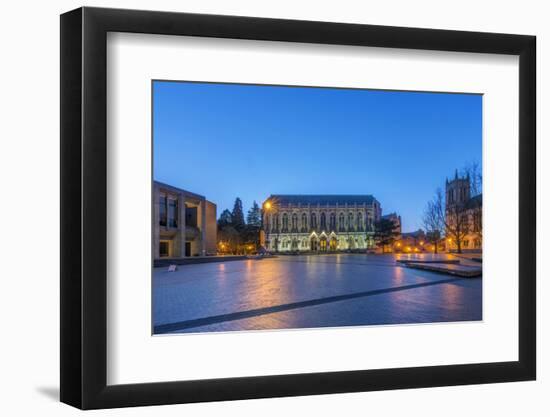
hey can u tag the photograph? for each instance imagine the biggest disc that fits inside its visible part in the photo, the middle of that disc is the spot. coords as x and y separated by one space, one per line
297 207
293 208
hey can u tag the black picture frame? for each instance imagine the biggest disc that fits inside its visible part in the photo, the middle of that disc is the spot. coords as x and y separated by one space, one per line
84 207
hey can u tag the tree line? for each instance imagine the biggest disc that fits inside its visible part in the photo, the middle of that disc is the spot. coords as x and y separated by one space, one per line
235 234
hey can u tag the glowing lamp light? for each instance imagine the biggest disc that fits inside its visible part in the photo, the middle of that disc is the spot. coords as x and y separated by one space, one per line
267 205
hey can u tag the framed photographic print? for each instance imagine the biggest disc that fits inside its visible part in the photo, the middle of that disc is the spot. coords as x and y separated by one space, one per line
258 207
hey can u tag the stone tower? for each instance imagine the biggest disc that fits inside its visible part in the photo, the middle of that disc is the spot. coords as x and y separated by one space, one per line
457 191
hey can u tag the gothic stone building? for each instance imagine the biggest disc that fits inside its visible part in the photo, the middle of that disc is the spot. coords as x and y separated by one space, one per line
319 223
459 203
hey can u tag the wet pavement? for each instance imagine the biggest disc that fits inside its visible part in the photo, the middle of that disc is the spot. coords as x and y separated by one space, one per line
309 291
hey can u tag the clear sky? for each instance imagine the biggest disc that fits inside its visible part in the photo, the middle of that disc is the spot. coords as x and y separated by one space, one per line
250 141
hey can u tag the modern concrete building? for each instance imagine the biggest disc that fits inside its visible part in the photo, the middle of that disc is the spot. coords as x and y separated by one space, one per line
184 223
319 223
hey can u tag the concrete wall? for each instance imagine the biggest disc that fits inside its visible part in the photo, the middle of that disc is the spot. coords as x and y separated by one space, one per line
211 228
196 224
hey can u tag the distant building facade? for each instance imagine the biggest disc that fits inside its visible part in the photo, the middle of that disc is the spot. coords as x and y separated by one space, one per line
395 219
184 223
460 205
412 241
319 223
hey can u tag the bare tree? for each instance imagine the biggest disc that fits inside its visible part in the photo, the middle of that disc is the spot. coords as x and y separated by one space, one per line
432 220
454 217
472 170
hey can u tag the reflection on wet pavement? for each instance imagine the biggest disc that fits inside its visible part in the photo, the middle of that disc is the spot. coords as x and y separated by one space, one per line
307 291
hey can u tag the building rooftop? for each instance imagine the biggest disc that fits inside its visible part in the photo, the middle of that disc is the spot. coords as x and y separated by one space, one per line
415 234
325 199
390 215
178 190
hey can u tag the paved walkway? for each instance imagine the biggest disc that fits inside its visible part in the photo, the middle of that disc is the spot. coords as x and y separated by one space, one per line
308 291
466 271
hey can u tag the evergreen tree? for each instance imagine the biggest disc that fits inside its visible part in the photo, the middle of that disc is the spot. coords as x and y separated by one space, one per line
385 233
237 216
225 219
254 217
231 239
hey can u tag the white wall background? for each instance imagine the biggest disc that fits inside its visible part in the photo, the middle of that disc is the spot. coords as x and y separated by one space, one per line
29 213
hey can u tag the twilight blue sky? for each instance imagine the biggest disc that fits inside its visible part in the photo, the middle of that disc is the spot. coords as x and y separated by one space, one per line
229 140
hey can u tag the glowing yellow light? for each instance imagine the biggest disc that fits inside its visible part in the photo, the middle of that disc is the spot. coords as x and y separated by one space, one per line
398 244
421 243
267 205
449 240
416 249
408 248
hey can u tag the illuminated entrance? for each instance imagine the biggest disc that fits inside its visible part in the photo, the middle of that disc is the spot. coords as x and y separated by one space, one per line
314 244
323 244
333 244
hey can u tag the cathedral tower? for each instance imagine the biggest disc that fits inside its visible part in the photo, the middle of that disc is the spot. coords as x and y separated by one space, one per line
457 191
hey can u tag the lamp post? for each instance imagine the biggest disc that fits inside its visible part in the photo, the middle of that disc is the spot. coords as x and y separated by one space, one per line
267 208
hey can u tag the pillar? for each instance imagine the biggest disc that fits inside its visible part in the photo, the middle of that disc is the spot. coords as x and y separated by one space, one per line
180 237
156 222
203 227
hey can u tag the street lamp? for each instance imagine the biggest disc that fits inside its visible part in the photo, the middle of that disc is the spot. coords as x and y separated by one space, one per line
267 209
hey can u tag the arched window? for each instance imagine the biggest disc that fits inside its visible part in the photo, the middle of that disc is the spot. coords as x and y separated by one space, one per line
359 222
285 222
350 220
341 222
304 222
313 221
323 221
294 222
332 221
275 223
